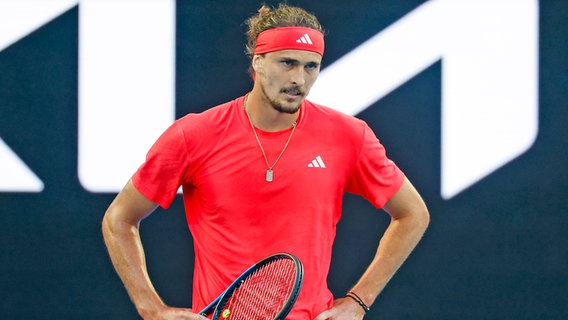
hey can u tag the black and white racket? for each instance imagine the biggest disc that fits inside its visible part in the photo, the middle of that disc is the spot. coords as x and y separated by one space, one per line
266 291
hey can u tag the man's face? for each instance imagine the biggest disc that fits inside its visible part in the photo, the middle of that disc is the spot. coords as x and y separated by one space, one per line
286 77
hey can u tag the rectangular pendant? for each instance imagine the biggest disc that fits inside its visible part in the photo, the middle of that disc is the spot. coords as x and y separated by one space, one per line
269 175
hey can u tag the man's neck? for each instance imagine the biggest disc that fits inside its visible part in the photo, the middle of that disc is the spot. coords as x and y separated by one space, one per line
264 116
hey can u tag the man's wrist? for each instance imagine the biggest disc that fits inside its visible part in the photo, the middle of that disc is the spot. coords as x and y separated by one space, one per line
359 301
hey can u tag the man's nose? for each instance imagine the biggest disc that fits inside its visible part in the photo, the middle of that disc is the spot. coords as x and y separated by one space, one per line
299 76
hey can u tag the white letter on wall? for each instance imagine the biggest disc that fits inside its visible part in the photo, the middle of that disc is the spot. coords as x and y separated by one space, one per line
126 86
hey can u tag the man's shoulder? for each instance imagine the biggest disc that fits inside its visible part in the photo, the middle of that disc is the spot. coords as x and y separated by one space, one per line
212 112
210 117
331 114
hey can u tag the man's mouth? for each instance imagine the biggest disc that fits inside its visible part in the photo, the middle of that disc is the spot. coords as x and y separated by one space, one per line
293 91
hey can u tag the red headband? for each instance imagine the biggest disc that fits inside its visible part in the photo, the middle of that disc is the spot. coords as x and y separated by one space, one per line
289 38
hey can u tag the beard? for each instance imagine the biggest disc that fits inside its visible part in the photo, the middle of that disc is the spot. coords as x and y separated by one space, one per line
290 107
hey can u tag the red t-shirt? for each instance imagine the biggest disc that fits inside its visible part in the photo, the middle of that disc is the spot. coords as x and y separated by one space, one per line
237 218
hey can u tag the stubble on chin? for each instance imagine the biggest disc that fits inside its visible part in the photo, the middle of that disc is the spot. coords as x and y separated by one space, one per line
290 109
286 107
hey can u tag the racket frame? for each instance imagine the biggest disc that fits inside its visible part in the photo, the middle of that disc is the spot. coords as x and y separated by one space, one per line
225 295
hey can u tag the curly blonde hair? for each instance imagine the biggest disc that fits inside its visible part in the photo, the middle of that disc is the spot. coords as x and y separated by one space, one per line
283 16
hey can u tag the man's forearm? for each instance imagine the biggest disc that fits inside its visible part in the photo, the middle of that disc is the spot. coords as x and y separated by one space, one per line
127 255
398 241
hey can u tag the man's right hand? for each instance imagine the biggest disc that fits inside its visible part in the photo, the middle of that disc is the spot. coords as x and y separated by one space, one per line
170 313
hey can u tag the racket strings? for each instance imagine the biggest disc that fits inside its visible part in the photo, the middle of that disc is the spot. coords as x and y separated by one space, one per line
263 293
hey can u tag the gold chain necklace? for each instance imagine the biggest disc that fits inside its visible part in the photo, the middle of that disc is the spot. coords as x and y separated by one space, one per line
269 171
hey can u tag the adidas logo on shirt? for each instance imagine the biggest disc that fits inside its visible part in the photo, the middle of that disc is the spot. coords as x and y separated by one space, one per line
317 163
305 39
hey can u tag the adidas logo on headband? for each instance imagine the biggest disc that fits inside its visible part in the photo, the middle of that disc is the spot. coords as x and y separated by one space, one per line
305 39
289 38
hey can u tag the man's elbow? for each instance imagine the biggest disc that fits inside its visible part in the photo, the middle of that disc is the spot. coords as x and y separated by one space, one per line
423 218
112 224
107 225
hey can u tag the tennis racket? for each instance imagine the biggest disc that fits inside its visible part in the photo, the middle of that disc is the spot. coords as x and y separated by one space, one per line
265 291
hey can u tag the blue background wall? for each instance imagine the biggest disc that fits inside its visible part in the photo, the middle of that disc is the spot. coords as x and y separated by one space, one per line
498 250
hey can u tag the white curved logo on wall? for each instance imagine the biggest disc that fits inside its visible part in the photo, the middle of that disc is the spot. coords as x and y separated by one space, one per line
489 54
488 49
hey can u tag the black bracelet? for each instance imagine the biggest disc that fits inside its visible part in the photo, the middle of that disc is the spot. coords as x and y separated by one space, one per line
357 299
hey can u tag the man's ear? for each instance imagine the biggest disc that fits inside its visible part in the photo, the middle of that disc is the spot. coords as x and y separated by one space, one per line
257 61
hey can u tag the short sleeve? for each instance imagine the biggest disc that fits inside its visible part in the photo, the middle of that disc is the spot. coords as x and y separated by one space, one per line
161 174
374 176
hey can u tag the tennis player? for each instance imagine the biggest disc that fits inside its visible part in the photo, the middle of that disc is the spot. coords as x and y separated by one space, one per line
266 173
